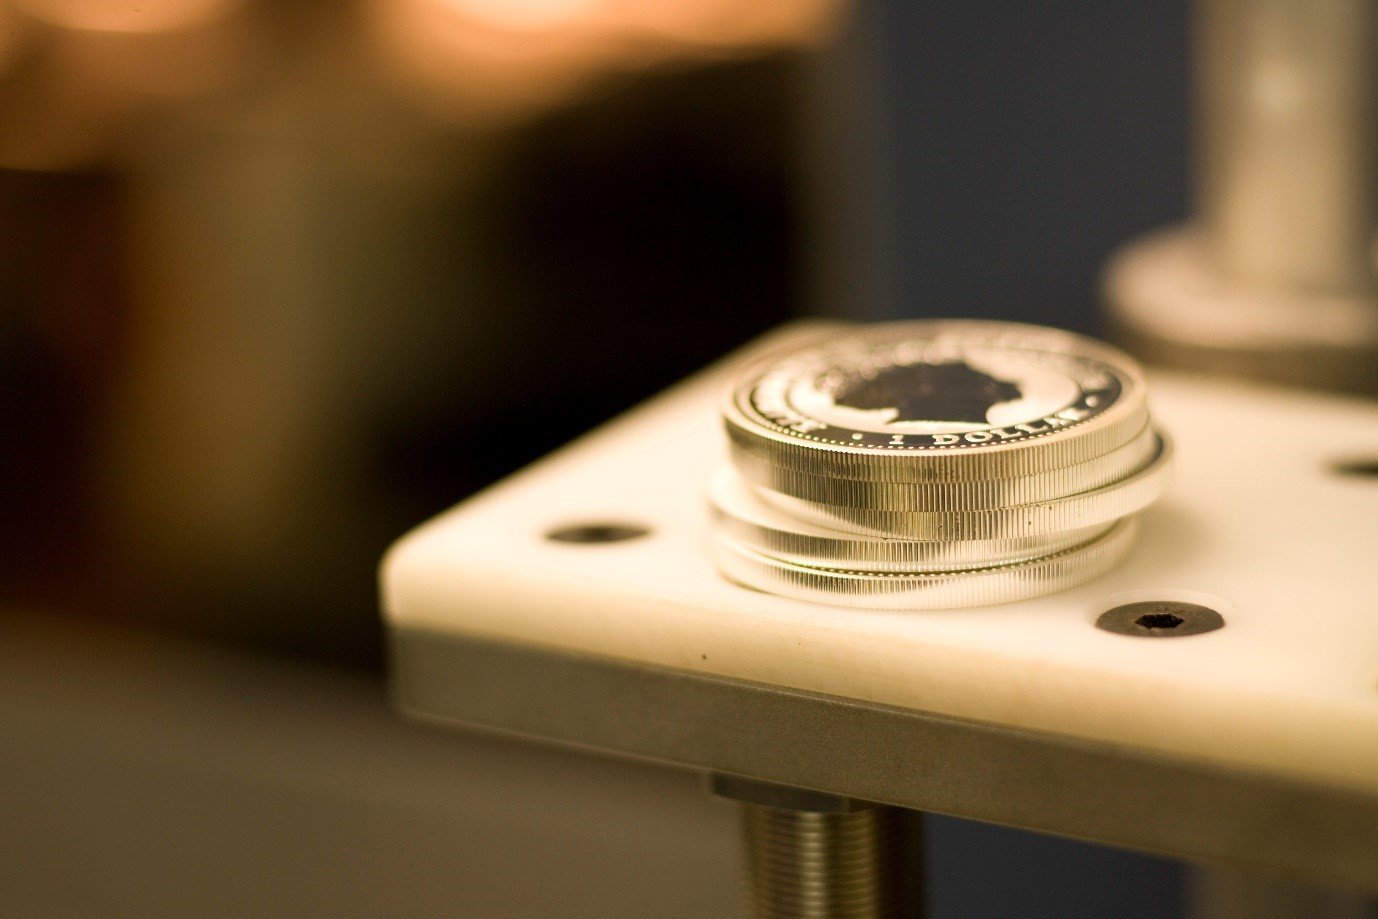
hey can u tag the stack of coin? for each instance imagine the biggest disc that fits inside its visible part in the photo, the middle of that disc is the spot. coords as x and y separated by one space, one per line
934 464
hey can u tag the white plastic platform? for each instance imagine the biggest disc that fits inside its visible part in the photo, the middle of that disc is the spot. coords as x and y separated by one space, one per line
1256 525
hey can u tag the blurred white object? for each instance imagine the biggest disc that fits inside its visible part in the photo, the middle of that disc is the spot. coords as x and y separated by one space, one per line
1274 279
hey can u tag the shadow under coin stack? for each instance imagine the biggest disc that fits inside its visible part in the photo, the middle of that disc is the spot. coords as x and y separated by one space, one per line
934 464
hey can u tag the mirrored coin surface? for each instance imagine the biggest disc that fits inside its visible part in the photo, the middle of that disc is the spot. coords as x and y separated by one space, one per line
937 400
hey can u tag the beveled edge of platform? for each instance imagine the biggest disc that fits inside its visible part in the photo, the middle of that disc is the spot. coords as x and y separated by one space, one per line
908 758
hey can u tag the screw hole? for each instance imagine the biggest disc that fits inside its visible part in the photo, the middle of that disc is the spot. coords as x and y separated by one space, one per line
1356 468
597 533
1160 619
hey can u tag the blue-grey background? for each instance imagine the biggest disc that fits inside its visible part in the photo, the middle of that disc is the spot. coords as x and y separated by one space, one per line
1022 143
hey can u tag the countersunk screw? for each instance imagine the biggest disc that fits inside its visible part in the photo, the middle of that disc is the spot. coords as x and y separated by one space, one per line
1160 619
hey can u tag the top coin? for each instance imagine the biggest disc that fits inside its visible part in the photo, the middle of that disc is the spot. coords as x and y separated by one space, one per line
937 400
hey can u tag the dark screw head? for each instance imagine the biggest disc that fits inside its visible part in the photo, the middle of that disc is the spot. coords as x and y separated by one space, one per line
1160 619
597 532
1358 467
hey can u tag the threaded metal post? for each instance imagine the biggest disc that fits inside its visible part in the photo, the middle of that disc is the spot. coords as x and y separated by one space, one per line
806 865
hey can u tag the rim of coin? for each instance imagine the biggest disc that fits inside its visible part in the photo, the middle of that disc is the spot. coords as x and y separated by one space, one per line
743 517
969 495
1100 505
936 400
927 590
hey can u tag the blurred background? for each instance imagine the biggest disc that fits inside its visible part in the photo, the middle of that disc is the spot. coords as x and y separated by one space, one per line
280 279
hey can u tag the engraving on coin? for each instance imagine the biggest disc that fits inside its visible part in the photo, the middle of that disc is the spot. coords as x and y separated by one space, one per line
949 390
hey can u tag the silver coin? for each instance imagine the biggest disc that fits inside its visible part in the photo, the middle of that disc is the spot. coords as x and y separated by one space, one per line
937 400
1101 505
929 590
934 464
970 495
743 517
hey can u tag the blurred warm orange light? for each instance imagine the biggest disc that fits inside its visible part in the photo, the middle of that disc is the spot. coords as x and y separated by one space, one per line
498 58
527 14
728 24
468 68
134 16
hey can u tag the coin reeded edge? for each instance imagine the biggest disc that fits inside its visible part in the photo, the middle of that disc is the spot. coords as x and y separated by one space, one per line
1118 499
964 495
743 517
927 590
